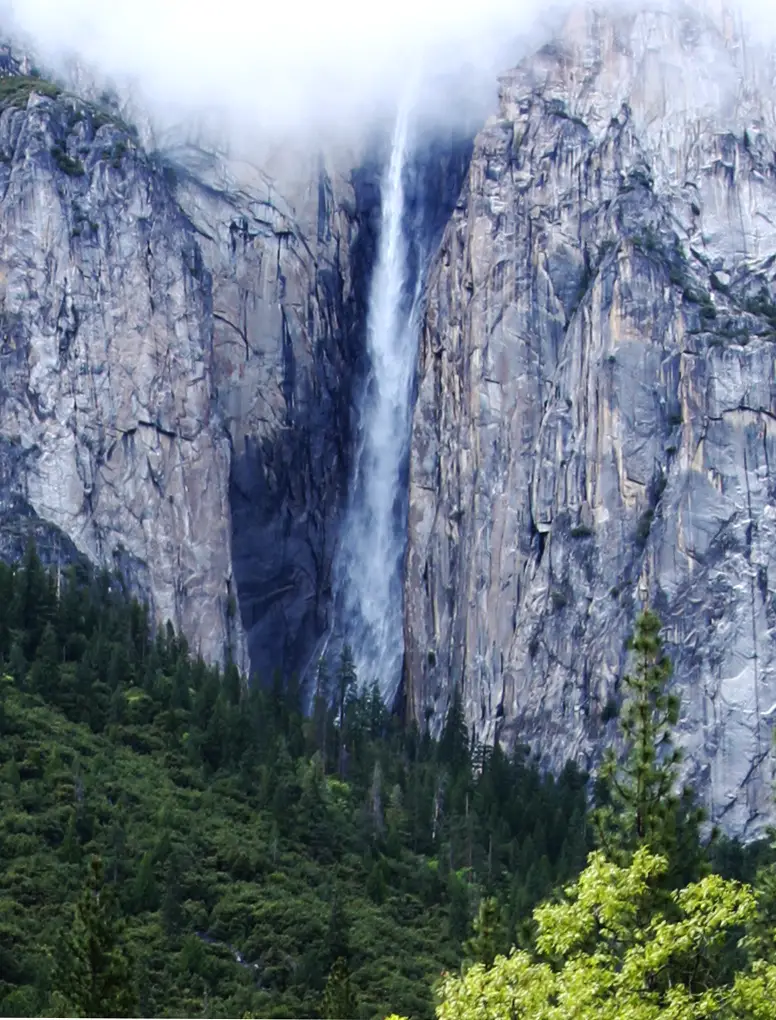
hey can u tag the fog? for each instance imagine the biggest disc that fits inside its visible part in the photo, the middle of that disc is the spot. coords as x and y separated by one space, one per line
284 66
293 67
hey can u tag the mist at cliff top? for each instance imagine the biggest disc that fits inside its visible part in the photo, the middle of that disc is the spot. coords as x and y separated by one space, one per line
293 65
284 65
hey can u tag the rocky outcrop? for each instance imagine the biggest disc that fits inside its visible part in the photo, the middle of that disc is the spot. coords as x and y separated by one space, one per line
290 277
107 361
596 416
181 342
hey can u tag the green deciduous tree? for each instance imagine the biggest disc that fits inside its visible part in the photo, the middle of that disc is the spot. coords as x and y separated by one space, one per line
598 957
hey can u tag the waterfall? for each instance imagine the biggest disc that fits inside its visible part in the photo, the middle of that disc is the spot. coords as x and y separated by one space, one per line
368 574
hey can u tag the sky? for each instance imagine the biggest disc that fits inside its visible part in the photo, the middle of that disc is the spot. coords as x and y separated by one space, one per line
294 66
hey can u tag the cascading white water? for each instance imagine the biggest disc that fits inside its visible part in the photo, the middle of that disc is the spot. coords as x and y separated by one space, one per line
368 571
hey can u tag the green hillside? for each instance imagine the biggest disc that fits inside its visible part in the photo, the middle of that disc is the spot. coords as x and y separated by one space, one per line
247 848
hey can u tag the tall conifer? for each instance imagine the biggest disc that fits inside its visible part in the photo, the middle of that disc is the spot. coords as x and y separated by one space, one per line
93 974
640 801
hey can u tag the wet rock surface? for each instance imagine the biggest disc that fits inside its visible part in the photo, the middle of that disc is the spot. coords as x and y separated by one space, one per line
289 282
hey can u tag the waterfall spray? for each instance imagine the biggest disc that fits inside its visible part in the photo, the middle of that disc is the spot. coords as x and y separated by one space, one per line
368 573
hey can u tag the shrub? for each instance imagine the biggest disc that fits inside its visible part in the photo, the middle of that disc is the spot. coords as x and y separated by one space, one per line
610 710
644 526
17 89
68 165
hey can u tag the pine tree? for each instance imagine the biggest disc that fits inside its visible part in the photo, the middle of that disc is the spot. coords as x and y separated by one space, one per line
490 938
118 673
171 912
319 722
338 1000
376 886
337 937
458 910
346 682
454 742
71 845
12 775
6 682
639 805
376 801
282 787
144 891
377 712
313 810
93 973
35 599
232 684
43 675
180 697
17 663
7 585
395 819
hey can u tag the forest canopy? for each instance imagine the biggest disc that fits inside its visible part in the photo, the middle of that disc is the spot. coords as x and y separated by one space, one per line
251 858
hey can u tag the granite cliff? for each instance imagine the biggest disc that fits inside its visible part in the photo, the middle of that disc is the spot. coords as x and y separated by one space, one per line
183 350
108 423
175 348
183 353
594 426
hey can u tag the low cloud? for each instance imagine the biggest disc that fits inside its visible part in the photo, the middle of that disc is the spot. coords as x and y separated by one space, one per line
295 68
286 65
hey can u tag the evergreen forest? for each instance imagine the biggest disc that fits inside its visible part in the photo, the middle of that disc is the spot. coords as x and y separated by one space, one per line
177 842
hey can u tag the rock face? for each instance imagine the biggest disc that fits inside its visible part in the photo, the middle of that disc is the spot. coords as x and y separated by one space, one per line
290 277
179 345
107 363
183 345
182 348
596 416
